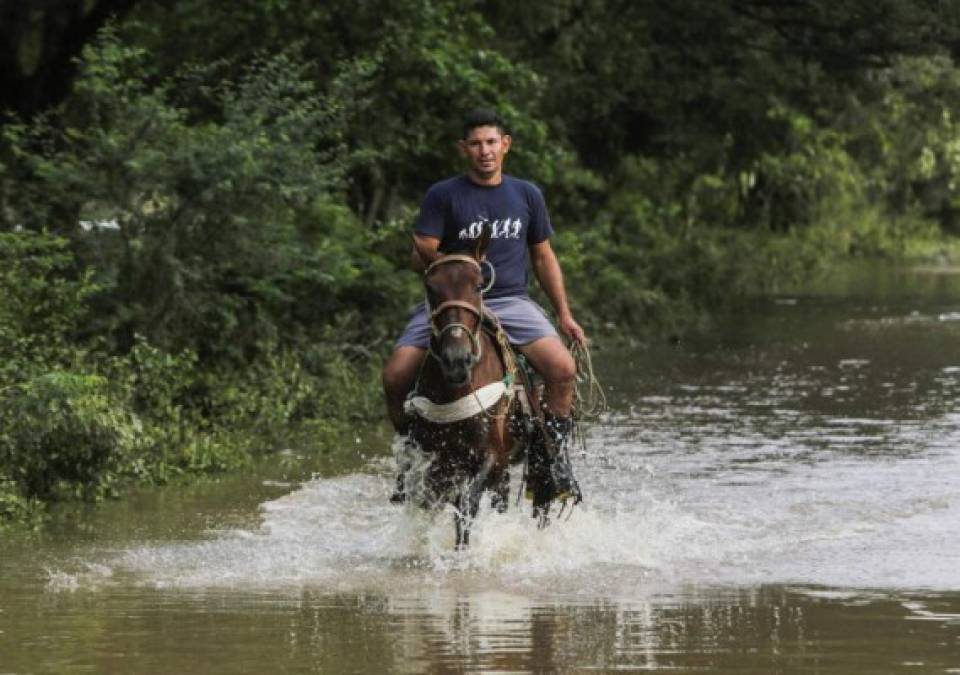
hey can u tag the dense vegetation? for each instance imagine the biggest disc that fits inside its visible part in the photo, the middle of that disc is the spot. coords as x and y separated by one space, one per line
204 216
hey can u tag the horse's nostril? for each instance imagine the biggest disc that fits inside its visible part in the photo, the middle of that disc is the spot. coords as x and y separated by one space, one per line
460 361
456 375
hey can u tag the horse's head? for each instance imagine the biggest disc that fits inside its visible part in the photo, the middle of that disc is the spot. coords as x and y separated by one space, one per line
454 285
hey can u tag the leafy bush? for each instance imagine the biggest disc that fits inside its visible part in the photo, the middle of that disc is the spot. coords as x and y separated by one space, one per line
668 250
64 437
44 303
15 508
309 398
224 228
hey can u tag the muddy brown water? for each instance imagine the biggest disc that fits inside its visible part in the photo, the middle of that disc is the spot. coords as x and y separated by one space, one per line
778 495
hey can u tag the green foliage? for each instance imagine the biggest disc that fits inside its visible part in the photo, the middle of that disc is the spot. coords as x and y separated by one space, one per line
311 399
17 509
199 419
810 178
44 303
215 242
65 437
652 263
443 60
402 72
903 130
154 417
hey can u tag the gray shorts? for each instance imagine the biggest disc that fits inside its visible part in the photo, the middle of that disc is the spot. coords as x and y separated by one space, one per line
522 319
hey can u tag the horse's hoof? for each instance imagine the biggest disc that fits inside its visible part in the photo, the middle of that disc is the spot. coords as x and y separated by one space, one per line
541 512
500 495
399 495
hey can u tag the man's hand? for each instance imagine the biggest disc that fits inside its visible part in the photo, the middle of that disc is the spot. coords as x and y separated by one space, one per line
425 251
573 330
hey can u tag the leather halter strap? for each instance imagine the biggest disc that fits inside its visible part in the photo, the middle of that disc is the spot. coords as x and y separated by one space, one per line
450 258
462 304
474 333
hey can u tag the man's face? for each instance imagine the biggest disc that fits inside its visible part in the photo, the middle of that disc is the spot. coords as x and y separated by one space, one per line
485 148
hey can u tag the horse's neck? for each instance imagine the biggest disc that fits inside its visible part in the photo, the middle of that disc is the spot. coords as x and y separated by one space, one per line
489 369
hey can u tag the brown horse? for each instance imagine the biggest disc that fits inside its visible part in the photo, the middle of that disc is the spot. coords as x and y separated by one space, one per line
464 405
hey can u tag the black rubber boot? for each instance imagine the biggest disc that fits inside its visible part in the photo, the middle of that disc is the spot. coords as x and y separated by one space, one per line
549 472
565 485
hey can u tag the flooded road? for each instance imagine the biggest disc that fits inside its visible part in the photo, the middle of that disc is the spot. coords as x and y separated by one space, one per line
779 495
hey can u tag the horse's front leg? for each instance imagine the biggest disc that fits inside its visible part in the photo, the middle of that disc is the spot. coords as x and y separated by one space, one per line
468 502
462 525
463 516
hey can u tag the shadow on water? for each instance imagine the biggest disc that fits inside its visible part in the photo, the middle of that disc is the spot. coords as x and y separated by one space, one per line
776 496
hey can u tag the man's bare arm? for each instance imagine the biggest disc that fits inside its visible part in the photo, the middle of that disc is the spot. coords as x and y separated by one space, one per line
425 251
547 269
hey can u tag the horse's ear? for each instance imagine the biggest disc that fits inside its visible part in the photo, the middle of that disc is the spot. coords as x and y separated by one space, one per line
483 241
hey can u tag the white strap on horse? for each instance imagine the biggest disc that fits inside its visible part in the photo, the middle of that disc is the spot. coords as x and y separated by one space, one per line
472 404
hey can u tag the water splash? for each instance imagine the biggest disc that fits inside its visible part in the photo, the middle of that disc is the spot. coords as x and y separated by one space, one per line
652 520
341 534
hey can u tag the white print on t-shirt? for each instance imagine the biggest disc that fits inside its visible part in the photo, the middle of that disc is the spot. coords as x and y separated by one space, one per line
502 229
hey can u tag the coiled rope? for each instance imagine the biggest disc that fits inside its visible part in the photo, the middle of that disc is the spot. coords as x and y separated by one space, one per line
589 401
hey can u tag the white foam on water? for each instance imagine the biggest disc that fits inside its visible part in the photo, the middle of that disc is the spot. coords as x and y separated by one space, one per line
343 535
651 521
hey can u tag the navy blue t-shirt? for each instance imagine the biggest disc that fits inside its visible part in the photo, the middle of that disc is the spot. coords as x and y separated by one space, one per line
455 210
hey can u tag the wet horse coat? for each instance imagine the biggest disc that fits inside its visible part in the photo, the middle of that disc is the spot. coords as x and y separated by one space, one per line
469 455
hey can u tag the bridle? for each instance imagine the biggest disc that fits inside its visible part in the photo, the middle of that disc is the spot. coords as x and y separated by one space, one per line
475 342
438 333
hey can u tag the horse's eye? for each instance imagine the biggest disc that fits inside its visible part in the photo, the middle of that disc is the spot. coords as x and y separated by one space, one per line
480 287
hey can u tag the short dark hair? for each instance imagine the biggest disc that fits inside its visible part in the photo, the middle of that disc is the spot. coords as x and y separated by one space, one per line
482 117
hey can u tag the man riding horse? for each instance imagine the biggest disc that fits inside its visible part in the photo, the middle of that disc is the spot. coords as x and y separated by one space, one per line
452 216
